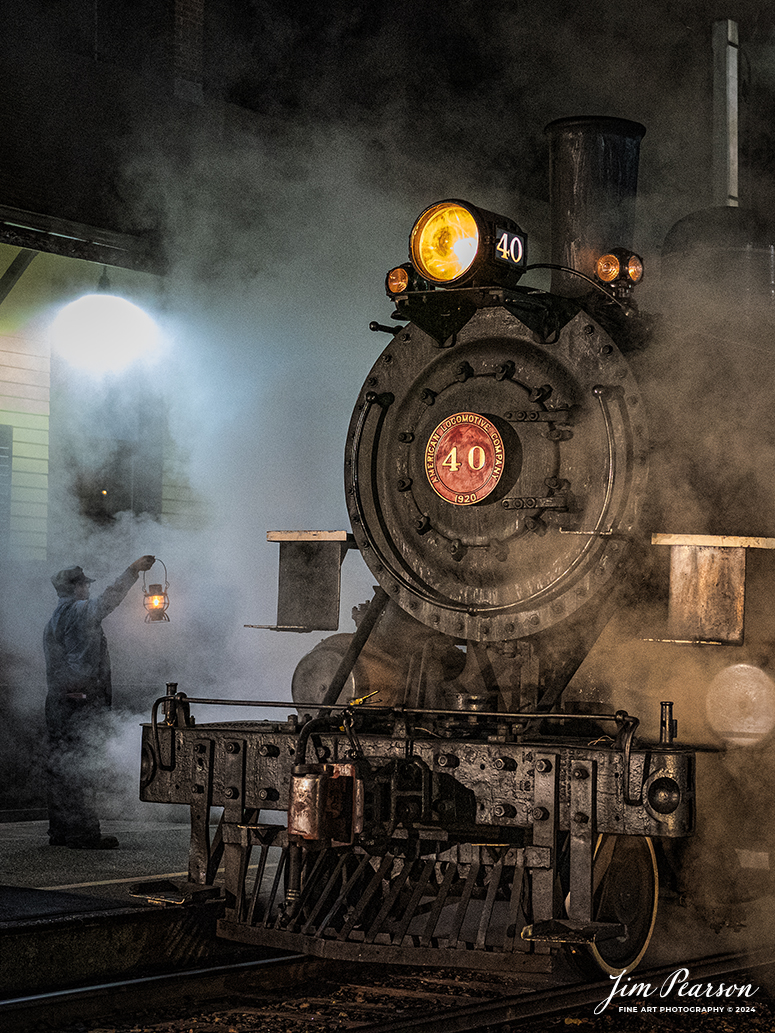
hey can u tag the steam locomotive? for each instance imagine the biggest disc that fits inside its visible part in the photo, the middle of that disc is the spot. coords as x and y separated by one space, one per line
487 773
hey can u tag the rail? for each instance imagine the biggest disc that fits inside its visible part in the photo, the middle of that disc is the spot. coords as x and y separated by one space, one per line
296 985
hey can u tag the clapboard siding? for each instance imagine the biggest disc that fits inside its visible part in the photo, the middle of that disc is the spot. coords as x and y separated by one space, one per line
24 407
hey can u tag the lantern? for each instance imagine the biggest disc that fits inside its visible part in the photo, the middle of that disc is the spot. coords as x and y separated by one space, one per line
156 600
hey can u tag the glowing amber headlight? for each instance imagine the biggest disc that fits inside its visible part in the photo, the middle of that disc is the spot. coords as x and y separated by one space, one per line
456 244
444 242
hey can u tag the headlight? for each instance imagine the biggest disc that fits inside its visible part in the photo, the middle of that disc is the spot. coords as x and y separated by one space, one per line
456 244
444 242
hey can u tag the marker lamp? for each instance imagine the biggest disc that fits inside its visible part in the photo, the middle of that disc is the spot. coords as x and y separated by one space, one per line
397 280
635 269
456 244
607 268
405 278
620 268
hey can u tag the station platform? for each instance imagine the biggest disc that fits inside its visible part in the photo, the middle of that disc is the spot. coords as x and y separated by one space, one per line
68 918
147 848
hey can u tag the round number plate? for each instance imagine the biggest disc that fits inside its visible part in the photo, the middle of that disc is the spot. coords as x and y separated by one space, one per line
464 458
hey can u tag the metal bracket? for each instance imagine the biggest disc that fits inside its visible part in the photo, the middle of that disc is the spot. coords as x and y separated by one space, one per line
583 821
201 794
545 833
309 579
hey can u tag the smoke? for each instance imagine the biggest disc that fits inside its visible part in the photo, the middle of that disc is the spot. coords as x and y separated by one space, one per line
706 377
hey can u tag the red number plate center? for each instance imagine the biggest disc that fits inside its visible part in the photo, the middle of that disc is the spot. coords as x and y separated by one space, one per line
464 458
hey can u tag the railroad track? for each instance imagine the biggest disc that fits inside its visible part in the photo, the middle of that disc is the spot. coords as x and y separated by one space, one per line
306 995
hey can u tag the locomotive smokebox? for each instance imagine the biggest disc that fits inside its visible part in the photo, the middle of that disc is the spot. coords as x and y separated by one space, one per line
593 177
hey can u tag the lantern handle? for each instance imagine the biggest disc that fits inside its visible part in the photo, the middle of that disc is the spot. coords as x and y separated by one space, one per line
166 582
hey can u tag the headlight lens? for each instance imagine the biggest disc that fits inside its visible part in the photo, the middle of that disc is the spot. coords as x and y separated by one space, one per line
397 280
607 268
635 269
444 242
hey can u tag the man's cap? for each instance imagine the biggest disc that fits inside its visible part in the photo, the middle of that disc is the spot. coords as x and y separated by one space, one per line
66 580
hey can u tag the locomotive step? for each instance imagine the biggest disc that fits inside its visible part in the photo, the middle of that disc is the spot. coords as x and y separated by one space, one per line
556 931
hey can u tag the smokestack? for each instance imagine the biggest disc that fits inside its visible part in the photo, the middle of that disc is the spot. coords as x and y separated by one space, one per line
593 179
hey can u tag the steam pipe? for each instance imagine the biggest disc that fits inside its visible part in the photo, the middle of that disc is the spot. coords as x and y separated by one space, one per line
593 180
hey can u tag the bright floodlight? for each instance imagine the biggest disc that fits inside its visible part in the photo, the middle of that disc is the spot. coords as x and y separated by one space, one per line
103 333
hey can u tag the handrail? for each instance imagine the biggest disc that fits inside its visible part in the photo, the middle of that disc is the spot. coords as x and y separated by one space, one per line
619 717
